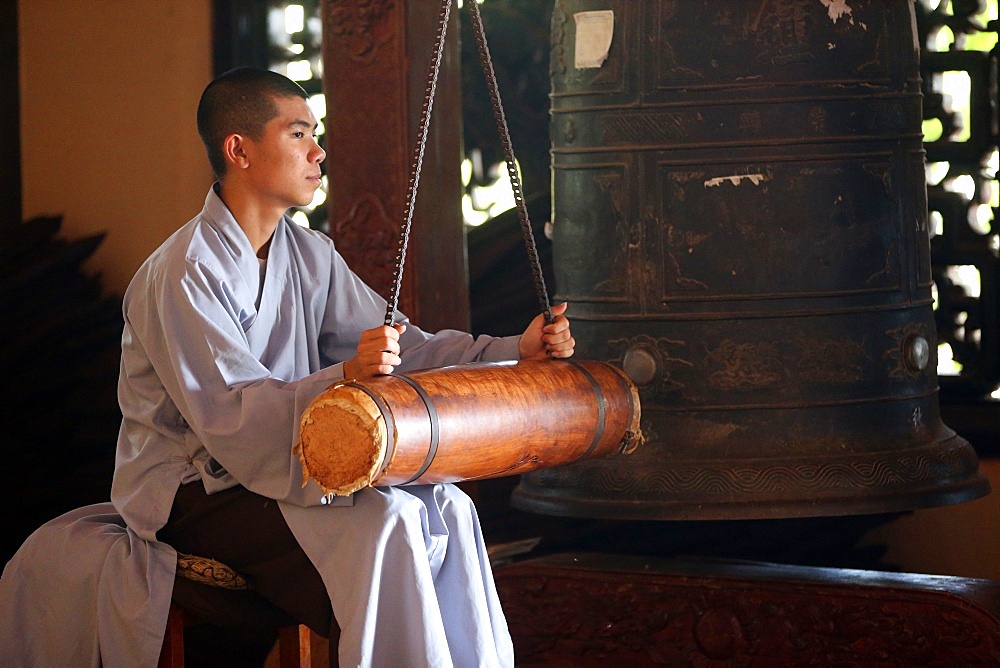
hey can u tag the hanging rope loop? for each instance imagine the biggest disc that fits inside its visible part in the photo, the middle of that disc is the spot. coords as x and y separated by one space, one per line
508 152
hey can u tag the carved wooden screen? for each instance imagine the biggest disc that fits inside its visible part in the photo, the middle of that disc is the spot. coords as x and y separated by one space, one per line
286 37
958 63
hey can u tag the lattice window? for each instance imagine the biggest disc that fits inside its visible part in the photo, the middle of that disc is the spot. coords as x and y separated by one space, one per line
958 67
295 31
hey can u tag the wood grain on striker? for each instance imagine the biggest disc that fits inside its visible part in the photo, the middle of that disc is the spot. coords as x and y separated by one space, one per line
467 422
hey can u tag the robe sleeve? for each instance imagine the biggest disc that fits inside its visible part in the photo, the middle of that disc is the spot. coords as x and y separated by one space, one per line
226 399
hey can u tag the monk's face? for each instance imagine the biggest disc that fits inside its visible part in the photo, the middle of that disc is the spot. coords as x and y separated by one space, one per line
283 166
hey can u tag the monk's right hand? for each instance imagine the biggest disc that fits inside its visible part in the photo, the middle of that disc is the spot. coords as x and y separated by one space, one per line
378 353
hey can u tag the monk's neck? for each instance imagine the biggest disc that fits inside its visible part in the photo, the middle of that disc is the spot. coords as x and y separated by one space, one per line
257 221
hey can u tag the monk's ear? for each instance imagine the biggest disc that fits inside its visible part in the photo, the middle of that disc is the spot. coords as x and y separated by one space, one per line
234 148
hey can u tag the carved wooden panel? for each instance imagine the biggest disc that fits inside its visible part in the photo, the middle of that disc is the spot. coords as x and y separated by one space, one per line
375 57
592 610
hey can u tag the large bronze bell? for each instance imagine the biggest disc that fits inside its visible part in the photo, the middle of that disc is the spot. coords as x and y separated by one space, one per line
739 212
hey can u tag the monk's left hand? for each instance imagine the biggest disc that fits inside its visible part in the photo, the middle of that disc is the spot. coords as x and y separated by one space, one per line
541 341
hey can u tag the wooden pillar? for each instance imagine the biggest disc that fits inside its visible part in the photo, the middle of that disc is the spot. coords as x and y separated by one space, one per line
376 54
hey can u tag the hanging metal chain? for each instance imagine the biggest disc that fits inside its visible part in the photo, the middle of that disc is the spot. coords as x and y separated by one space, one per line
418 160
508 154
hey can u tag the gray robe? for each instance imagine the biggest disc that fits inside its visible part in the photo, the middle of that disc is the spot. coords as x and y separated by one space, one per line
216 368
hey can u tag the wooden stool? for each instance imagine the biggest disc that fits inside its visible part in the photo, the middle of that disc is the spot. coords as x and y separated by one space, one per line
298 646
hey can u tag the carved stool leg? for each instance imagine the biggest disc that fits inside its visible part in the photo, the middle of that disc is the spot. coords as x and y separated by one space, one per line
298 646
294 648
172 653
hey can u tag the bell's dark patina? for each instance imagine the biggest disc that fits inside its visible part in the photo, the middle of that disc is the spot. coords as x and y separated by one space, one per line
740 224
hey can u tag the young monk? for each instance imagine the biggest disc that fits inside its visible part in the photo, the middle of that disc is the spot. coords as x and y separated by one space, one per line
232 327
